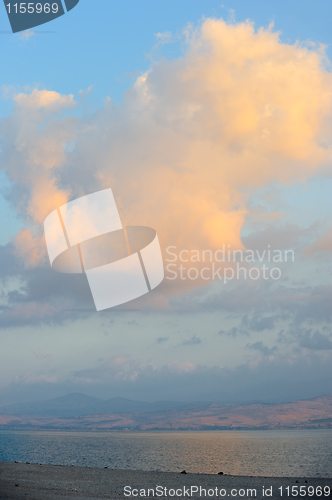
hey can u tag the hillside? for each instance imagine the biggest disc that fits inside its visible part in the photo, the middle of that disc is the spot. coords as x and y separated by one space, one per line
69 412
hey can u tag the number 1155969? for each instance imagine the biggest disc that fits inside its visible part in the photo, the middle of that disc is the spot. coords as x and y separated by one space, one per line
32 7
302 491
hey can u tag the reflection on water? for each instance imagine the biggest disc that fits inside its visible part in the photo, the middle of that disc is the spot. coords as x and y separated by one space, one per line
262 453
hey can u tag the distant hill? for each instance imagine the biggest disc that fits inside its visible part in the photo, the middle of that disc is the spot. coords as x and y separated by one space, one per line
81 412
77 404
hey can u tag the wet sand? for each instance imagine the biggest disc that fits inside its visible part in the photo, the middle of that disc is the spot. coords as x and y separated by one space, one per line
56 482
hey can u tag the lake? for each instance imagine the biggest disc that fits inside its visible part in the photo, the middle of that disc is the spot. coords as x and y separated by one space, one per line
249 453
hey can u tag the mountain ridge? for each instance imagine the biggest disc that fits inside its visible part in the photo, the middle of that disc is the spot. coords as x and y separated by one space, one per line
55 414
79 404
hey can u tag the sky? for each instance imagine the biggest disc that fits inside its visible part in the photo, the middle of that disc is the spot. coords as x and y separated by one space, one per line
212 124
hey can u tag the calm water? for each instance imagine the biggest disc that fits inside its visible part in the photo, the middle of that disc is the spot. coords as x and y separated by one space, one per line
263 453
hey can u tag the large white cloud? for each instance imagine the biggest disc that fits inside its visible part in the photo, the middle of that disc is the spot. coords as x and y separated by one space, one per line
194 136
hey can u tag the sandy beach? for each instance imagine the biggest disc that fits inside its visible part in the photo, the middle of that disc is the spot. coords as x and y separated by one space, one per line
54 482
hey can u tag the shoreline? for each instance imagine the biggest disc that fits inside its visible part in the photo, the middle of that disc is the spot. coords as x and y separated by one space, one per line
57 482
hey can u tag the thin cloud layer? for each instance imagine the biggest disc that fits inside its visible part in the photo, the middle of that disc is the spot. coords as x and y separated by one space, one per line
271 378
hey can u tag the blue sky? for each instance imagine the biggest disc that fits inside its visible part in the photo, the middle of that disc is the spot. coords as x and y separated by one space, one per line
101 43
205 334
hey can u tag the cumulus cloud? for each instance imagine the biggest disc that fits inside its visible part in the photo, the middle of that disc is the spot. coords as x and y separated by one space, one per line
262 348
194 340
317 341
31 296
253 322
308 338
239 110
161 340
194 137
323 245
232 332
43 99
234 114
